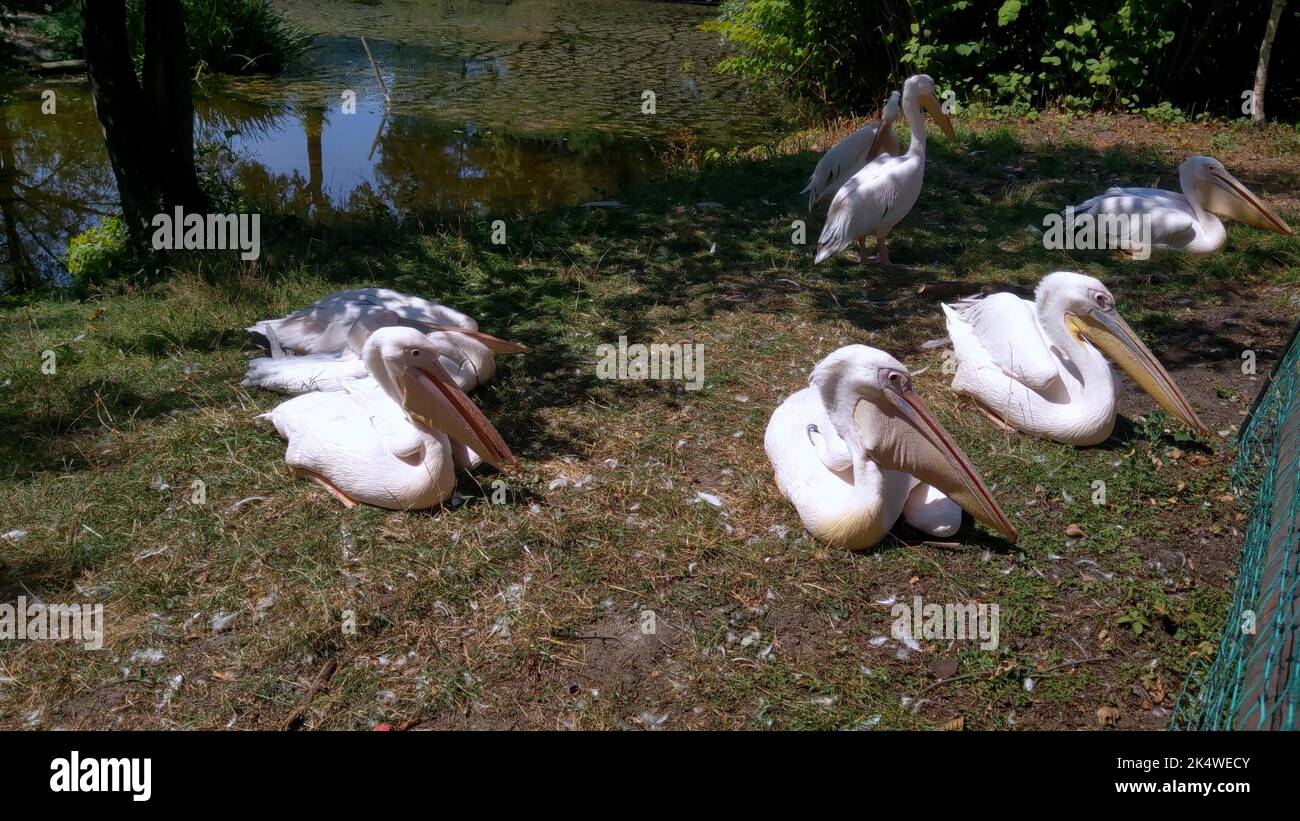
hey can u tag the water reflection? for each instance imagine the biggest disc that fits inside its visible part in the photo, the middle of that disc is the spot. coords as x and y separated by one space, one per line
496 106
314 161
54 182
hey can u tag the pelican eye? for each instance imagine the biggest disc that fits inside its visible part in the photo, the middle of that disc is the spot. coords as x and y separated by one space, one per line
415 352
895 379
1102 300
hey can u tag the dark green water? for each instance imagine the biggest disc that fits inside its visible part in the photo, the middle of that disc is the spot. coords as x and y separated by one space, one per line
495 106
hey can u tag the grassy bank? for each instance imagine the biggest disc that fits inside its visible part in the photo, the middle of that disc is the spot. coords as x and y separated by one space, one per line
528 614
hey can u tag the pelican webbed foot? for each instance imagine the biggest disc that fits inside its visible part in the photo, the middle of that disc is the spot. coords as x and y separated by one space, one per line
345 499
998 422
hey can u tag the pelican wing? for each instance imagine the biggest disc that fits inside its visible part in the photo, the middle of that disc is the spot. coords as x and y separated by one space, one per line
300 374
387 419
407 307
841 162
324 326
1170 215
860 204
1002 330
367 450
830 446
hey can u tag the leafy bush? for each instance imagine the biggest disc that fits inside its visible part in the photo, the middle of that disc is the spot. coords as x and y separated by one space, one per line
62 30
805 48
240 36
1017 55
226 36
99 252
1027 52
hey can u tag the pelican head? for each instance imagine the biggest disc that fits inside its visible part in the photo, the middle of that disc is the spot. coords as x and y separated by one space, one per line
1089 312
895 429
921 86
892 109
405 362
1208 183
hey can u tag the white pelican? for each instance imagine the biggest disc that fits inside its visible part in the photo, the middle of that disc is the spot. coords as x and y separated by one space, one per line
1188 221
876 198
851 153
858 447
1038 366
385 442
329 335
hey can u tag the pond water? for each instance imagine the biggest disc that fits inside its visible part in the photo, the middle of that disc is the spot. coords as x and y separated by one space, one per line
496 105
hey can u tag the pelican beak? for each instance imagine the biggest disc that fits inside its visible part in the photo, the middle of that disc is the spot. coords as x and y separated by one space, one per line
914 442
1226 196
931 104
1108 331
430 396
493 343
878 141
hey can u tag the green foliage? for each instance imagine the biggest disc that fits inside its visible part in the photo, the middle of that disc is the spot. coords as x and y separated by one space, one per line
804 47
226 36
1165 113
241 36
62 30
99 252
1026 52
1014 56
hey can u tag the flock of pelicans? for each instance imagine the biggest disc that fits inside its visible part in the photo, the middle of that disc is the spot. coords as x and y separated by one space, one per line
381 413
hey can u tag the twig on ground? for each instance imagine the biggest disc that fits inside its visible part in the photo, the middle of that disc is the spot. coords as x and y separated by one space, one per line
319 683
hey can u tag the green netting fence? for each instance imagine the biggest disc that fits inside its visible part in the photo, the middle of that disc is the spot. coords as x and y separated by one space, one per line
1254 681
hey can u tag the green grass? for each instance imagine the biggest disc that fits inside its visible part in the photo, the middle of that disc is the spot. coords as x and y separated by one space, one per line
527 614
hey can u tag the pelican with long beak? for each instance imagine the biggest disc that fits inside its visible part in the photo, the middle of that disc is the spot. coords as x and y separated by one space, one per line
1040 367
326 339
390 441
1188 221
879 196
858 448
850 154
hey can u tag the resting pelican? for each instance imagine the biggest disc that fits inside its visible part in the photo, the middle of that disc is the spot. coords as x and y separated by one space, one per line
851 153
1039 365
876 198
329 335
858 447
385 442
1188 221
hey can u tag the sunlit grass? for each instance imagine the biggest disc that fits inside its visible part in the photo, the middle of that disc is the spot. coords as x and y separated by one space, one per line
527 614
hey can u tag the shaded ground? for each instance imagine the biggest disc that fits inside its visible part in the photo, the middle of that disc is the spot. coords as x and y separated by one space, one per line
534 613
23 44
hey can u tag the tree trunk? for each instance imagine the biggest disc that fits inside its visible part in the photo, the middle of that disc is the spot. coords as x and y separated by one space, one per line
1261 71
18 265
119 105
170 102
313 125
